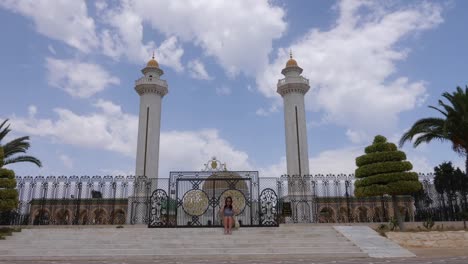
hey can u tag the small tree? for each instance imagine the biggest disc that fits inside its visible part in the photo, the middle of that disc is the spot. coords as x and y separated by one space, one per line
384 170
449 182
8 193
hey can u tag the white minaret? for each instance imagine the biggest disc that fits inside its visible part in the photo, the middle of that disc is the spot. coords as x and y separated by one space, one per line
151 90
293 88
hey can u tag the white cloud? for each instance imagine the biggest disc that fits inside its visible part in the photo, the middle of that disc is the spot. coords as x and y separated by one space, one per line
32 110
77 78
109 128
333 161
51 49
66 21
123 36
336 161
238 34
67 161
266 112
223 90
197 70
357 136
342 160
189 150
352 66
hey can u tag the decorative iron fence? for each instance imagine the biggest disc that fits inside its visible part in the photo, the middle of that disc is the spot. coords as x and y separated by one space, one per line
194 199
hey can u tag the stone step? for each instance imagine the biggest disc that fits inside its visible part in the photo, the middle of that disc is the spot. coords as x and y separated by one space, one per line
175 230
181 242
223 244
223 257
173 251
214 237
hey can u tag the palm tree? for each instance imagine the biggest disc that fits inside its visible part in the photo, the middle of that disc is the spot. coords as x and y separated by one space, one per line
16 146
452 127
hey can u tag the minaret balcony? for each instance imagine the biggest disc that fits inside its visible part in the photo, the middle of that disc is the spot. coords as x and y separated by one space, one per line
298 79
151 80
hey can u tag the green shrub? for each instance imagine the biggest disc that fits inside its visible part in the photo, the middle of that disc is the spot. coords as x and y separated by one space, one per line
379 147
383 167
386 178
2 155
428 224
7 183
8 174
380 157
383 170
8 192
393 188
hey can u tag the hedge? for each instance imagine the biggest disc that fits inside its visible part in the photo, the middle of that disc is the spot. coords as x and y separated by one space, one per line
5 173
386 178
7 205
2 155
7 183
380 147
380 157
383 167
392 188
8 194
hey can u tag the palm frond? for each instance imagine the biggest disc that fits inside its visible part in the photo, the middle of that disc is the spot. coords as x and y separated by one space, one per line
23 159
4 130
18 145
435 126
437 109
428 137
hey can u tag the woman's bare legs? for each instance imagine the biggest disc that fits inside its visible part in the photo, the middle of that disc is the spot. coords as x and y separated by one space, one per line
226 223
230 223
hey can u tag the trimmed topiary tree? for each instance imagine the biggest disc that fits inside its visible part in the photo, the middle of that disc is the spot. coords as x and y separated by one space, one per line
8 192
384 170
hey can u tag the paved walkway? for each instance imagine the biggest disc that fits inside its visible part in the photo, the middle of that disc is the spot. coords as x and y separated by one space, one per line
372 243
430 260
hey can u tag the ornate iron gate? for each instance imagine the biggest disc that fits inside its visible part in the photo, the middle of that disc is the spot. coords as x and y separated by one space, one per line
194 199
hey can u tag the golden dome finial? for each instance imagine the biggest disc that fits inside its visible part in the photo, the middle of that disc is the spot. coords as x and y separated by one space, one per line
152 63
291 62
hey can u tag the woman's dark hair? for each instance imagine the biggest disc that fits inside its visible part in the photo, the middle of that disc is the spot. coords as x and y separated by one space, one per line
225 202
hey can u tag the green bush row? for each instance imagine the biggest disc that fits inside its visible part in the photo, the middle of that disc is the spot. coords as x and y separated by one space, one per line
380 147
386 178
7 205
8 194
7 183
6 173
383 167
393 188
2 155
380 157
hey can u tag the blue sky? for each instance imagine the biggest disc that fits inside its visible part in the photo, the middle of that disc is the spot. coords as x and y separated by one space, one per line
68 70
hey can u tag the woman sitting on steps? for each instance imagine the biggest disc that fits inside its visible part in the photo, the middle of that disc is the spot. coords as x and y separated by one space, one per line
227 212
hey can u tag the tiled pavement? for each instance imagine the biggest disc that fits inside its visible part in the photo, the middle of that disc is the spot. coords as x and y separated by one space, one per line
418 260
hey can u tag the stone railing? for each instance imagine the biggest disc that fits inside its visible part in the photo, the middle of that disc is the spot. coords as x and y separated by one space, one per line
151 80
298 79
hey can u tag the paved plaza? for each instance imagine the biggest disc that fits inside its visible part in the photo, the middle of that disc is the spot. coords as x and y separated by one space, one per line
418 260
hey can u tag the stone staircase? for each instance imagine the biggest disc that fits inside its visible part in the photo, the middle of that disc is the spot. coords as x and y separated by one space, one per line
300 241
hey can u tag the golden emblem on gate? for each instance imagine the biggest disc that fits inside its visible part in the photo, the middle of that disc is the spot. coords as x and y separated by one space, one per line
195 202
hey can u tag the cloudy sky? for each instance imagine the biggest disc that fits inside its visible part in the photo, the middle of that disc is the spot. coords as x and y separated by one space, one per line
68 70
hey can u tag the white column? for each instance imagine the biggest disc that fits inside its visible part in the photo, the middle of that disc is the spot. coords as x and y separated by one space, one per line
151 90
147 159
297 155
